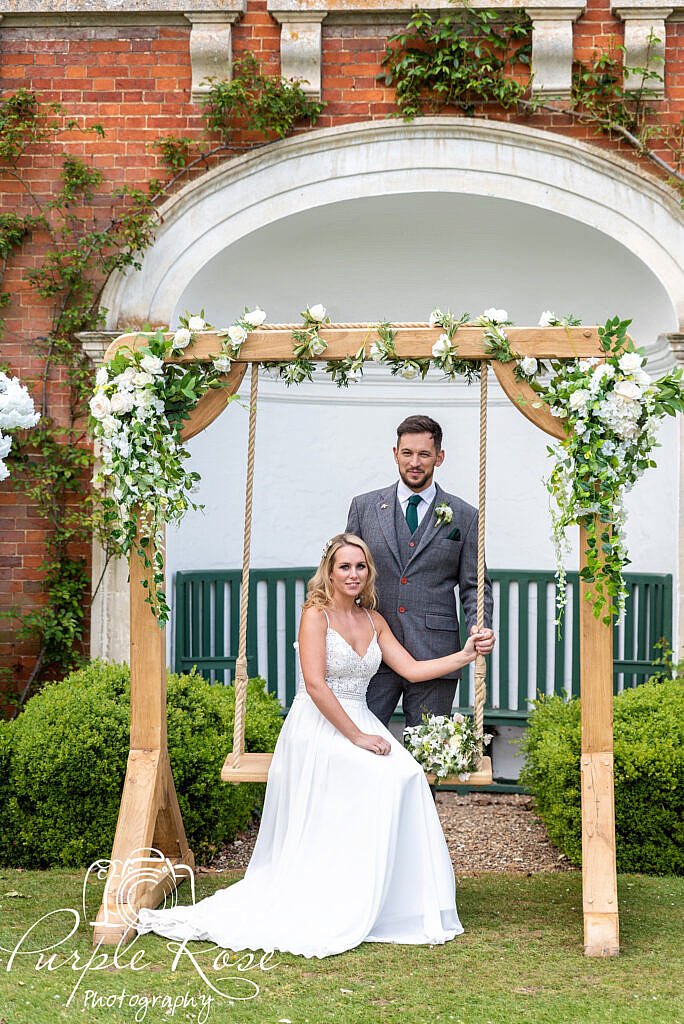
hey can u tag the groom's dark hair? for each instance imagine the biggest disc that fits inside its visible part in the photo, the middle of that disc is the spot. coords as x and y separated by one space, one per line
421 425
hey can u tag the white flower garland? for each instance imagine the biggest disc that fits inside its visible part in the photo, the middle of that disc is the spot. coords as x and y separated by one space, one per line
612 410
142 398
17 412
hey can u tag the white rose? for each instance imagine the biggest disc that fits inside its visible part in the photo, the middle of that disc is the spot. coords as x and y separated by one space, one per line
256 318
578 399
143 398
141 379
100 406
102 377
435 316
528 365
110 425
442 347
318 346
376 352
627 390
182 338
408 371
497 316
196 323
317 312
126 377
222 364
237 334
121 401
641 378
151 364
546 318
630 361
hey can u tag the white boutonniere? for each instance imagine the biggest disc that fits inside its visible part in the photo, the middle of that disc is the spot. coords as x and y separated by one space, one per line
443 514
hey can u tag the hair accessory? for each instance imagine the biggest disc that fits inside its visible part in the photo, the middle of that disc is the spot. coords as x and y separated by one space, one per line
328 545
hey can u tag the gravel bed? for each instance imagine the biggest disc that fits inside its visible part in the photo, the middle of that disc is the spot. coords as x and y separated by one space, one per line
484 832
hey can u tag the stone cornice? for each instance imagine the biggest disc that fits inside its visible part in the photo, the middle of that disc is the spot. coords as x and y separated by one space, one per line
77 13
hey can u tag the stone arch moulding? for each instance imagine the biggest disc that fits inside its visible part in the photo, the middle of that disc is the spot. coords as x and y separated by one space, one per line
468 156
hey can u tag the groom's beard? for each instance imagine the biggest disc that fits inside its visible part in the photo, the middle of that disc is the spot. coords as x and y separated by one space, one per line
418 482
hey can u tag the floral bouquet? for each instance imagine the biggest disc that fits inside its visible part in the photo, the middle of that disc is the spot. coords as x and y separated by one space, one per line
445 745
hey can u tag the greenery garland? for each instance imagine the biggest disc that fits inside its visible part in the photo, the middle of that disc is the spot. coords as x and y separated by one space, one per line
611 409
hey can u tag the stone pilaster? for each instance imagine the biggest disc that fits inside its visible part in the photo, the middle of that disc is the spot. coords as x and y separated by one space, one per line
110 610
677 346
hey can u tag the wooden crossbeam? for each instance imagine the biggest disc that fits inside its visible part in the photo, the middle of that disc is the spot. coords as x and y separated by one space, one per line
411 343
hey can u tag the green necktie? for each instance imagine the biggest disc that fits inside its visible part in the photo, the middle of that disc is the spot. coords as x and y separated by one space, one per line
412 512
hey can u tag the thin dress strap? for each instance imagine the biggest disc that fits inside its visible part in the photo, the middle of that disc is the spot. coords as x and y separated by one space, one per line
326 617
371 619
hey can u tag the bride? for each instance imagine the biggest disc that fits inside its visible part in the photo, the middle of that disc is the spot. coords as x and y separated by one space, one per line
350 847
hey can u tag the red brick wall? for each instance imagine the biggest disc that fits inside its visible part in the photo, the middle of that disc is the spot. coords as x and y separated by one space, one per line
135 81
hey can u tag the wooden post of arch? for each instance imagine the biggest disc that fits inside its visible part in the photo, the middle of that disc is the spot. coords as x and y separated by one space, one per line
149 814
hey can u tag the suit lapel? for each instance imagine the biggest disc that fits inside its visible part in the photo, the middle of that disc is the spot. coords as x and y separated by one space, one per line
431 527
385 512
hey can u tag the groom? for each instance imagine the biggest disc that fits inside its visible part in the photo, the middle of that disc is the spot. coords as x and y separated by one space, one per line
424 544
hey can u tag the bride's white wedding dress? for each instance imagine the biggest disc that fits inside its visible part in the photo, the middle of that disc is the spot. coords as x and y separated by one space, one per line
350 847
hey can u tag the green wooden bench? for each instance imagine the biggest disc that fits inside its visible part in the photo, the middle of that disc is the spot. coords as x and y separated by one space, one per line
531 656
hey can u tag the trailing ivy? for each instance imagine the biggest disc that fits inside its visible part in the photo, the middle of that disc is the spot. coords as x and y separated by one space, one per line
476 59
460 58
92 230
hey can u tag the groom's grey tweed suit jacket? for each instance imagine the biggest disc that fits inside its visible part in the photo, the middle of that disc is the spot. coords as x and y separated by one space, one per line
417 596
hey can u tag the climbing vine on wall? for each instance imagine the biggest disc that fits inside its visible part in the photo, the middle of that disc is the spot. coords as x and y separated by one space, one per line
89 229
479 60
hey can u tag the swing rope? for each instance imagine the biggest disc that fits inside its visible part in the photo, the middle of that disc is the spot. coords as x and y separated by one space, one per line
241 663
481 661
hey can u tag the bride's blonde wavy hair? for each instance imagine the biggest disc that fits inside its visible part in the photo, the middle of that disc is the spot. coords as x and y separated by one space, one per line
319 591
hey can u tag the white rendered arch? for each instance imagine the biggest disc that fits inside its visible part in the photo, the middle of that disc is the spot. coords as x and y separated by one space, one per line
473 157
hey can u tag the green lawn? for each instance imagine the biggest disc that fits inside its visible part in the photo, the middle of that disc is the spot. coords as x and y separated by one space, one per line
519 960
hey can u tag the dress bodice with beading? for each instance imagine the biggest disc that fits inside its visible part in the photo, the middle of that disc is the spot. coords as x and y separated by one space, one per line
346 672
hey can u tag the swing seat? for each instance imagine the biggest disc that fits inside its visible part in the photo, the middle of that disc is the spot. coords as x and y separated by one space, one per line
482 777
252 768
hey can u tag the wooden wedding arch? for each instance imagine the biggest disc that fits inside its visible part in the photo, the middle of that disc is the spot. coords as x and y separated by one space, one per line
150 817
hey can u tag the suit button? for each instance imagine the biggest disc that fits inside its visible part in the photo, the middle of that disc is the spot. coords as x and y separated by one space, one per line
404 580
402 609
412 543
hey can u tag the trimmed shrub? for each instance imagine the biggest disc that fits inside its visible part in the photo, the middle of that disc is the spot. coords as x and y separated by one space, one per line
65 758
649 775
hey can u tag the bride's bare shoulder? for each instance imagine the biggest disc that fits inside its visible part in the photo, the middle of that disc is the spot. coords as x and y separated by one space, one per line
313 619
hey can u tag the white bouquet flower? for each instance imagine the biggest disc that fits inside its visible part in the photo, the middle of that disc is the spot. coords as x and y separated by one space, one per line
445 745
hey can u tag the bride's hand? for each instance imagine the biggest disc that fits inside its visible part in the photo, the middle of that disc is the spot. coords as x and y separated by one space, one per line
469 648
376 744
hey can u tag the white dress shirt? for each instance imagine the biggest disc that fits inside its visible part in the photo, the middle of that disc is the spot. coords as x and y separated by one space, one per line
426 496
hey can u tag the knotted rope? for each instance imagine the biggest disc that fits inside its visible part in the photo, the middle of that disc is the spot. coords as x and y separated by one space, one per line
241 663
335 326
481 661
